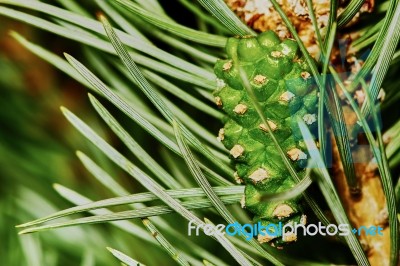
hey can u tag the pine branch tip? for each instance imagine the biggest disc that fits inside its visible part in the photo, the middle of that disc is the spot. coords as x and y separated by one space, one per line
64 110
14 34
100 16
57 187
24 232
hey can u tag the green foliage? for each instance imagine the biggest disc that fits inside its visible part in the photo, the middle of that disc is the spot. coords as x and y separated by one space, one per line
156 101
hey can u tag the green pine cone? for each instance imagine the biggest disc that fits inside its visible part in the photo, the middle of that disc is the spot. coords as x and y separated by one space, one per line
284 87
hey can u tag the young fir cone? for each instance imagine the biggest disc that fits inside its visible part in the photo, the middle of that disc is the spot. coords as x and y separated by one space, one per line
284 88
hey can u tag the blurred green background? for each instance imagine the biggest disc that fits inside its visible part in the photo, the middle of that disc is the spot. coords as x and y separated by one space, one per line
37 147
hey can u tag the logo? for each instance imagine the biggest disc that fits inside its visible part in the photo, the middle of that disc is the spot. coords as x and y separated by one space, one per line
285 230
